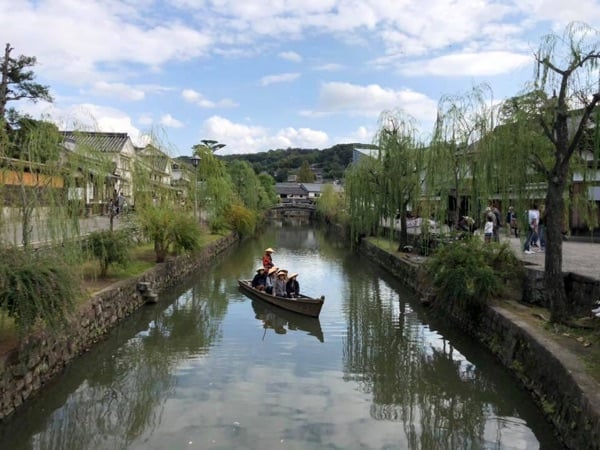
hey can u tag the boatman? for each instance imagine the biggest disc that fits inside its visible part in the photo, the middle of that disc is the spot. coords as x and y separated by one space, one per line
267 259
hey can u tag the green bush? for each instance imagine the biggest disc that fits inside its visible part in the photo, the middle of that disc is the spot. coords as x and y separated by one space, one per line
36 286
169 229
468 273
241 219
109 247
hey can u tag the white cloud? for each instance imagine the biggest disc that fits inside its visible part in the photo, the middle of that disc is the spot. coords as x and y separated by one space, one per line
145 119
371 100
280 78
470 64
169 121
290 56
119 90
90 117
77 39
330 67
241 138
362 134
192 96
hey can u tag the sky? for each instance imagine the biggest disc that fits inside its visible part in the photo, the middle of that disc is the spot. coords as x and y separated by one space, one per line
257 75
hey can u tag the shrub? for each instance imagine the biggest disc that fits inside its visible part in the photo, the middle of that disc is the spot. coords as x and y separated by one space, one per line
109 247
468 273
36 286
241 219
169 230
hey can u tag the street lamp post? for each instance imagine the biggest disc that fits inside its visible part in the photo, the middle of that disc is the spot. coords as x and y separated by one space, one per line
195 161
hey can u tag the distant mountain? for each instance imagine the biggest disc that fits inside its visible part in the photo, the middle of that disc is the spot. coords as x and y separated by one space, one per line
330 162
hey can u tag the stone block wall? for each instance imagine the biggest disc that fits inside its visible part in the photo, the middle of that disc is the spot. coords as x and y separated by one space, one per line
43 355
557 381
582 292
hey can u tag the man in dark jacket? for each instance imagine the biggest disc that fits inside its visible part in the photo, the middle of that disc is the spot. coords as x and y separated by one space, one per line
292 286
260 279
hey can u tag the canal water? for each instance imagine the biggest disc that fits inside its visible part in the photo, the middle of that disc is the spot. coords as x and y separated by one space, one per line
209 368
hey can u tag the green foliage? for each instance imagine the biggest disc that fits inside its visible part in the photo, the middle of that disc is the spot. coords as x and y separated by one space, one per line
269 195
17 80
278 163
169 229
241 219
36 286
330 205
109 247
305 174
363 186
468 273
35 141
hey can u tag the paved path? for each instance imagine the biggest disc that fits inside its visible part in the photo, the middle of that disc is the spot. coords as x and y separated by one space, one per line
12 233
582 258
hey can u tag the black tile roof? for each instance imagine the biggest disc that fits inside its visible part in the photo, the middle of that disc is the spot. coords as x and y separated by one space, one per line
104 142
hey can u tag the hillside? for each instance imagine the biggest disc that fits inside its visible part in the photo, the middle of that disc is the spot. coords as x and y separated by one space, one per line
280 163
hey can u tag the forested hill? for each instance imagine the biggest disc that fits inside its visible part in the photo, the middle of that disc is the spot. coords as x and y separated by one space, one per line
280 163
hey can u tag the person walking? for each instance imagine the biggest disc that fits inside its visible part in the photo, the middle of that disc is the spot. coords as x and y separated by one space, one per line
533 217
488 230
511 222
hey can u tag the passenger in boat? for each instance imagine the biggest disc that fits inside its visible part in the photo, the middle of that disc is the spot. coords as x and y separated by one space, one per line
292 287
279 289
270 280
267 259
260 279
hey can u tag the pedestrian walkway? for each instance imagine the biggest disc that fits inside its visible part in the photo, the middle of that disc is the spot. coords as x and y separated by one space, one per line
582 258
12 233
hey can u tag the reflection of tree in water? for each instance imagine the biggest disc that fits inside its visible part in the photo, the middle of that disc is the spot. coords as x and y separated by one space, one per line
122 399
424 383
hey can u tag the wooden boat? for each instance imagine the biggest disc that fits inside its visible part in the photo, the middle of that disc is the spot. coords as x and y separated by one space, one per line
282 321
303 304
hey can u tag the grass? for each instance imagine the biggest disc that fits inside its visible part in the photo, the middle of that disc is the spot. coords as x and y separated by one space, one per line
387 244
142 258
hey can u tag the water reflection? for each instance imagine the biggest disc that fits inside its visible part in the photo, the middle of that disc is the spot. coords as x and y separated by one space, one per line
209 368
282 321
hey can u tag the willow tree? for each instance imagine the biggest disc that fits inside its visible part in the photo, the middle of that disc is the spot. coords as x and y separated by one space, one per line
215 191
387 182
565 97
401 155
452 165
363 188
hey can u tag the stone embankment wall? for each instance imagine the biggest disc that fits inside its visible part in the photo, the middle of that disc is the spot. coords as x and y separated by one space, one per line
43 355
557 381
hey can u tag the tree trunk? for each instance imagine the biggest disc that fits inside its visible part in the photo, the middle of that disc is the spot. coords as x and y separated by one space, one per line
4 80
555 293
403 230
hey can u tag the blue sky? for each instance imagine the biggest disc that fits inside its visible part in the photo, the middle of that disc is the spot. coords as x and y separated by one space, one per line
265 74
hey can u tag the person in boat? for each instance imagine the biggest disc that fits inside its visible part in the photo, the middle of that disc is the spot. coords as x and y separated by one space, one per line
270 280
267 259
260 279
292 287
279 288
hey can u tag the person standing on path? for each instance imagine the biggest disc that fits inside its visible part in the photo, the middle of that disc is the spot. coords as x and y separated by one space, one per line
511 222
533 217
